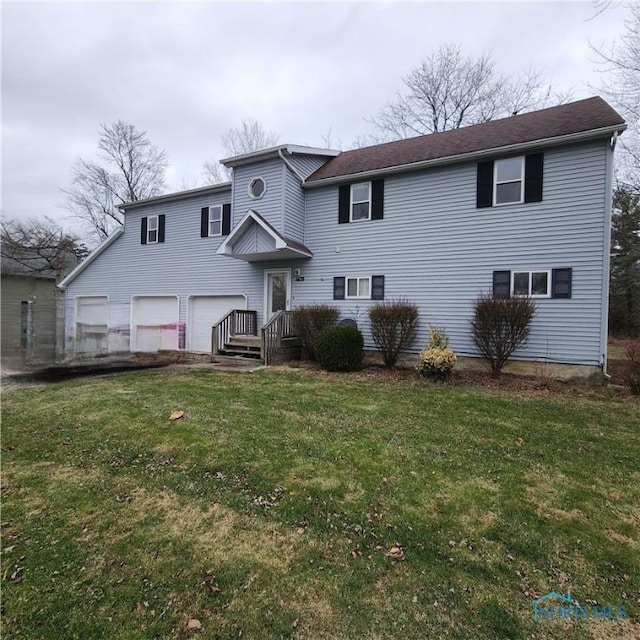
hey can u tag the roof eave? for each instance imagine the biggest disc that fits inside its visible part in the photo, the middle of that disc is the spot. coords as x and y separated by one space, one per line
473 155
272 152
178 195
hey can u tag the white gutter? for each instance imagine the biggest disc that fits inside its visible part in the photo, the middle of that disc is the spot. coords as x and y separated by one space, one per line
273 152
90 258
473 155
177 195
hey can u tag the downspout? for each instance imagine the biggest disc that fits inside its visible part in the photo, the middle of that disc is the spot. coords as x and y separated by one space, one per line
290 167
606 251
301 180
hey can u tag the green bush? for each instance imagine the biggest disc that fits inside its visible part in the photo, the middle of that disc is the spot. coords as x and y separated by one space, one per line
308 320
437 360
394 325
339 348
500 326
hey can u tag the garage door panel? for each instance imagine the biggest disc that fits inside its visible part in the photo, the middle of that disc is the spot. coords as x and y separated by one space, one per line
155 323
203 313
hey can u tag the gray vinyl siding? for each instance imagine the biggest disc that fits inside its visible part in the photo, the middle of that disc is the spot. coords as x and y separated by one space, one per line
305 165
254 240
270 206
437 249
185 264
293 208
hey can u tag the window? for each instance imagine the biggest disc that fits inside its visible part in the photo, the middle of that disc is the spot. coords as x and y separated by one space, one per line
215 220
366 288
152 229
531 283
360 201
358 288
257 188
509 181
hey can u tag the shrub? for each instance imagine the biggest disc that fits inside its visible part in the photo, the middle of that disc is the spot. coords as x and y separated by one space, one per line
309 320
339 348
437 360
500 326
394 325
633 377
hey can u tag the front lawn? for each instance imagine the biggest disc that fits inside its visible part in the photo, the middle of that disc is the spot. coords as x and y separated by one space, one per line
290 504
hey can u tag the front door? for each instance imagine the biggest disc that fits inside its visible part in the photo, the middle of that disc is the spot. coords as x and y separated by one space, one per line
277 289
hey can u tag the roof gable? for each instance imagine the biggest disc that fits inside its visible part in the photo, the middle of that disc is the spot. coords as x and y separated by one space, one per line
583 116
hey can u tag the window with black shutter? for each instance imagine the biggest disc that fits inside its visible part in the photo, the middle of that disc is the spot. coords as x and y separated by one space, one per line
508 181
361 201
561 282
501 284
338 288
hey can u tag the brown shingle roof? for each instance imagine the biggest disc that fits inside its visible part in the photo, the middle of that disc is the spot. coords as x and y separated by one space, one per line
575 117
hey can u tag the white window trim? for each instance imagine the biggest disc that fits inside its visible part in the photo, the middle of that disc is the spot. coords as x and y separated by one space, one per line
250 193
530 272
352 202
211 209
149 229
496 183
356 297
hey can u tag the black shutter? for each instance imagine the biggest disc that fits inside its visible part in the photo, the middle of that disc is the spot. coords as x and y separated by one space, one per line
161 228
377 287
344 203
143 231
226 219
377 199
338 288
484 185
204 222
561 283
501 284
533 171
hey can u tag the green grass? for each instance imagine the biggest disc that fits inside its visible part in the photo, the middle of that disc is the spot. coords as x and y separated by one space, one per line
291 487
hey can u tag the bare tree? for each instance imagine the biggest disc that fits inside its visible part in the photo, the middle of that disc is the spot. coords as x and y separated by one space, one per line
248 137
622 86
39 247
130 168
215 173
447 91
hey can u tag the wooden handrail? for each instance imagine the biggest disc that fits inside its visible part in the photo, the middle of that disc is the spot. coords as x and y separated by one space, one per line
279 326
238 322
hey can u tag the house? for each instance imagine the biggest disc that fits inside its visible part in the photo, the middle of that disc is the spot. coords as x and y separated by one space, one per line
518 206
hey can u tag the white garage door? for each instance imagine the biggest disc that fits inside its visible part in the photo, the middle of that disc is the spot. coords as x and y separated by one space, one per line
92 325
155 323
203 312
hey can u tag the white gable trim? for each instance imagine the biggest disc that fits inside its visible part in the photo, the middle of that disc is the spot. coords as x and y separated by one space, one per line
226 248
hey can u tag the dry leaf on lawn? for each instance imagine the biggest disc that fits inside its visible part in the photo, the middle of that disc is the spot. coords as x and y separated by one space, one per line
176 415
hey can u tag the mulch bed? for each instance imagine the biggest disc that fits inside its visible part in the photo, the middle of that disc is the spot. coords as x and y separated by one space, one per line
507 382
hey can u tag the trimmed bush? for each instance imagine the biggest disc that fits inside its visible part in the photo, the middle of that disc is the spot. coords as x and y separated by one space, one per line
309 320
339 348
500 326
437 360
394 325
633 377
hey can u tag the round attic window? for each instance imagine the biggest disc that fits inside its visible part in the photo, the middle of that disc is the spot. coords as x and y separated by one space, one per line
257 187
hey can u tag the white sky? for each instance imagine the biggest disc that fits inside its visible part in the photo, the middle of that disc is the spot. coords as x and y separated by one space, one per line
186 73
